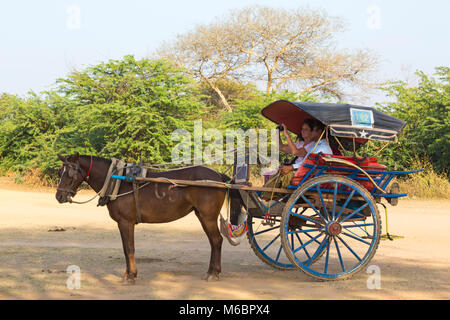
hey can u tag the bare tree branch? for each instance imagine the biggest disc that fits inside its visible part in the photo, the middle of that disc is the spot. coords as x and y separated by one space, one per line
282 48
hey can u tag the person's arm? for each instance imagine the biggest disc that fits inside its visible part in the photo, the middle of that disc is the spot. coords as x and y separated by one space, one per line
301 152
283 147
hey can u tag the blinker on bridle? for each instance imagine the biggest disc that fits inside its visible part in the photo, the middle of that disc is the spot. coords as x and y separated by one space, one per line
75 168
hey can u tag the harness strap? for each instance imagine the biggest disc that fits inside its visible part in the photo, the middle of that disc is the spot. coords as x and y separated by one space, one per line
102 191
89 171
119 168
136 200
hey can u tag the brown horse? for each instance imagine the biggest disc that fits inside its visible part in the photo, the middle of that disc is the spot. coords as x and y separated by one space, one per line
158 202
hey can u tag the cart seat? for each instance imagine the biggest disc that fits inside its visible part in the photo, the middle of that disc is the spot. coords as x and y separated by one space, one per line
366 163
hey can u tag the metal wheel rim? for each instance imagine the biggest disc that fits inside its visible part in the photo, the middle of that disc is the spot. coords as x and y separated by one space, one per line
327 240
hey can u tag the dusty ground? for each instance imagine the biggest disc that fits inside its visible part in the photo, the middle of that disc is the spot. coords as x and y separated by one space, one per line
171 258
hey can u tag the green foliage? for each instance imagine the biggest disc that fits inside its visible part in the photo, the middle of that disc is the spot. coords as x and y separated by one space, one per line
123 108
247 112
129 108
27 128
426 109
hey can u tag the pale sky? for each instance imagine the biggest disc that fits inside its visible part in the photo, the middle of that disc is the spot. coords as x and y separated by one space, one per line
43 40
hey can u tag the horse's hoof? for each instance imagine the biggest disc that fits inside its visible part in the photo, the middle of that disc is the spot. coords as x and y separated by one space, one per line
128 282
208 277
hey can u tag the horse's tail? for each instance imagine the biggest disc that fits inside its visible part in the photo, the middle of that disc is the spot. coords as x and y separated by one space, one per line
236 202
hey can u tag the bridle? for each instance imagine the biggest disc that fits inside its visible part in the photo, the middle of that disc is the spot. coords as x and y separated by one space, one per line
74 169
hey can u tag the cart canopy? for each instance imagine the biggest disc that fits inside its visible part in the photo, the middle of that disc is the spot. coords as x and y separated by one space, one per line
344 120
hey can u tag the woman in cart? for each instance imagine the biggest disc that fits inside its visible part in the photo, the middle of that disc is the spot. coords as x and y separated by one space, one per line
312 131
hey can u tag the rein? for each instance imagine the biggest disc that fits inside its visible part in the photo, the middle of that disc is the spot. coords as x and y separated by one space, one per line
102 191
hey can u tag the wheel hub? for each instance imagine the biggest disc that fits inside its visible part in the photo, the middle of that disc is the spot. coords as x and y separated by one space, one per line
334 229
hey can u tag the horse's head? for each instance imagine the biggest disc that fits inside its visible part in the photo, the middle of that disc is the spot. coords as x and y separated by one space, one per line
71 175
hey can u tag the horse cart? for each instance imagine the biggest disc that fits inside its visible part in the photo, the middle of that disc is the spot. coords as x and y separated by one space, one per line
326 222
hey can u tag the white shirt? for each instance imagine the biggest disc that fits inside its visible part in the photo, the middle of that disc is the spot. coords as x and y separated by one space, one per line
298 145
322 146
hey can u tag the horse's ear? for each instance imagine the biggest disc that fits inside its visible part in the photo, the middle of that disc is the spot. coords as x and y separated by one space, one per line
61 158
75 157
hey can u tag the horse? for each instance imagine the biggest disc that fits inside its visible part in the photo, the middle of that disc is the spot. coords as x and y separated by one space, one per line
159 203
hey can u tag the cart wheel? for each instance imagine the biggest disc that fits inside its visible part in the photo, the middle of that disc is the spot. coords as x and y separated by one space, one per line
265 241
342 229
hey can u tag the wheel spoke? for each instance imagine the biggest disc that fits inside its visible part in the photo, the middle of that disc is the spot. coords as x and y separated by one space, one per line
345 244
355 212
333 211
318 251
305 231
292 241
305 218
271 242
358 225
339 254
311 238
346 203
278 254
304 249
267 230
306 243
358 234
326 258
272 254
304 209
323 203
314 208
356 238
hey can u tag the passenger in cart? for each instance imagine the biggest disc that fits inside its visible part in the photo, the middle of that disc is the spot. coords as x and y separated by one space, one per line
312 131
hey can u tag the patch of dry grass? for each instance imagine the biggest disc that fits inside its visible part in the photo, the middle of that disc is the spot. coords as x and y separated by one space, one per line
427 184
35 177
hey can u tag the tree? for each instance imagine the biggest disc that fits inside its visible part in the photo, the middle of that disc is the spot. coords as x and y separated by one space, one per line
27 129
128 108
122 108
281 48
426 108
209 53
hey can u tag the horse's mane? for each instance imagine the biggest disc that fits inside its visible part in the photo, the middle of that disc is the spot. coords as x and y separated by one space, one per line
88 158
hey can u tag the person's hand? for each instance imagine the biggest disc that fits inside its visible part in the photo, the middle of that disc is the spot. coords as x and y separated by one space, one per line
286 169
284 128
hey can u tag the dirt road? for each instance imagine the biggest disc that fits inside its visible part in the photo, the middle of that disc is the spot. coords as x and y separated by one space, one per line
171 258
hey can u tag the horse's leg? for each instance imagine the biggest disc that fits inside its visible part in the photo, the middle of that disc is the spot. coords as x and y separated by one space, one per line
209 224
127 233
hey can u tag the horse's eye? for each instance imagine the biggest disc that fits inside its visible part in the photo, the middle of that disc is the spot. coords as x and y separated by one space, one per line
72 172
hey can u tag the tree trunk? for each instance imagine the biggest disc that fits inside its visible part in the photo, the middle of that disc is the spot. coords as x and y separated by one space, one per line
223 99
221 96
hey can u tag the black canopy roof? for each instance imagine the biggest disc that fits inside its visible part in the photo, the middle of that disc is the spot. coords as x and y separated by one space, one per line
344 120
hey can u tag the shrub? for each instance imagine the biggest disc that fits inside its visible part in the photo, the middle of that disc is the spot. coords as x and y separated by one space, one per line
427 184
